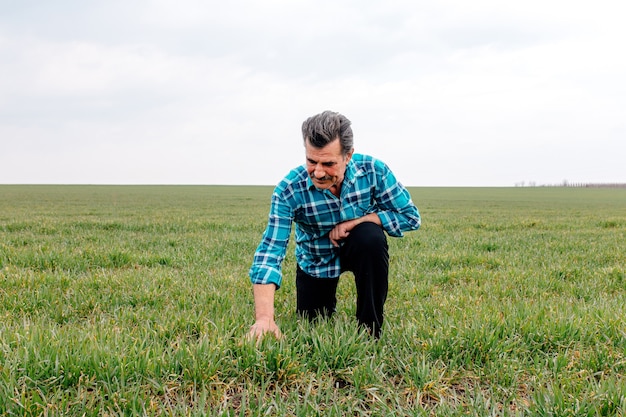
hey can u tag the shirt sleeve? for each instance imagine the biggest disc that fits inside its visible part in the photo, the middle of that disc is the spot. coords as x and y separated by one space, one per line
397 212
267 263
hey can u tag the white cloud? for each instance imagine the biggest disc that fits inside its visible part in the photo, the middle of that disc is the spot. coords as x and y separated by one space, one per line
469 93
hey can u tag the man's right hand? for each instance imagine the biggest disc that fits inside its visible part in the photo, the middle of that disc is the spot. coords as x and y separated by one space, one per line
264 312
263 326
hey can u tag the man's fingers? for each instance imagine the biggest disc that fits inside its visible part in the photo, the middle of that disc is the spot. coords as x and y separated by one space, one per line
258 332
253 334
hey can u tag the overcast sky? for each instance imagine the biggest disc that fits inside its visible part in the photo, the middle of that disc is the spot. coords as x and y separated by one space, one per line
447 93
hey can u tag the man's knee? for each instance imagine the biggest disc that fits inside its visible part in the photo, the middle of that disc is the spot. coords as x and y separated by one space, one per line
368 235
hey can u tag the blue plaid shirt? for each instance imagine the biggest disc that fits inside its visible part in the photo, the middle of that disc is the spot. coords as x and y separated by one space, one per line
369 186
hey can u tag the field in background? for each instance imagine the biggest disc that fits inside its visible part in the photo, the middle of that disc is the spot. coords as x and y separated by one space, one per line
120 300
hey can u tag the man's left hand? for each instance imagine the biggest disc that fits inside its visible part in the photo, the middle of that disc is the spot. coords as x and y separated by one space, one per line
341 231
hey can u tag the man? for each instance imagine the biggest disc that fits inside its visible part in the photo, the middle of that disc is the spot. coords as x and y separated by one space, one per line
342 204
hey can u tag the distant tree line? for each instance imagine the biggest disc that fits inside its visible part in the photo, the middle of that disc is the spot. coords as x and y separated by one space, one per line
566 183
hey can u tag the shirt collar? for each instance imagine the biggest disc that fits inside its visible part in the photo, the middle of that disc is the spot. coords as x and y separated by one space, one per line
351 173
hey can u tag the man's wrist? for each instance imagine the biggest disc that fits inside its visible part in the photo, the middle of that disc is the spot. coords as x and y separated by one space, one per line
371 217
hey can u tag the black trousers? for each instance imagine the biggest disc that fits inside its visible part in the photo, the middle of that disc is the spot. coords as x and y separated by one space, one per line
366 254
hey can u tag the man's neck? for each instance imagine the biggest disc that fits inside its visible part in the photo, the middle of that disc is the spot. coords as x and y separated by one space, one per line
336 189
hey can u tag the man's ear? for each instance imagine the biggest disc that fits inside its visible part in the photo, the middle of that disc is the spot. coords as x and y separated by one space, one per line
349 155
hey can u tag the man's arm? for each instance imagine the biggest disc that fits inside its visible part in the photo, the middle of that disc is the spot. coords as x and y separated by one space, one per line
396 210
342 230
264 312
265 272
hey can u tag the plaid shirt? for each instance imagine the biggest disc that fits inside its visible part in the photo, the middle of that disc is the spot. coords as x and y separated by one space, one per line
369 186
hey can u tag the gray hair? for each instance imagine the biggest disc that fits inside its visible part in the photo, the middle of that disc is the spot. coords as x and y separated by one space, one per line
325 127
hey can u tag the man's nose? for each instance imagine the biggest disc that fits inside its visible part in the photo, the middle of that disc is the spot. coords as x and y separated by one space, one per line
319 172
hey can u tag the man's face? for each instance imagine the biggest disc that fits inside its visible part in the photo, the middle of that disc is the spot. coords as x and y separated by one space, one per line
326 166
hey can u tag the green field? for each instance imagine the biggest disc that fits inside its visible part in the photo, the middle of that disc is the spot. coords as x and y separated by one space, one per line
135 300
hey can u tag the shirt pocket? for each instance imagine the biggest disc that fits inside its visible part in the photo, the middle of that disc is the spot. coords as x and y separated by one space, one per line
359 203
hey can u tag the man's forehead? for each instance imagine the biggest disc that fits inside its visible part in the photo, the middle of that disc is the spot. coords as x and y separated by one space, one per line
330 152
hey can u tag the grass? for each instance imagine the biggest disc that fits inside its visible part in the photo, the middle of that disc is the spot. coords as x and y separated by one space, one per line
135 300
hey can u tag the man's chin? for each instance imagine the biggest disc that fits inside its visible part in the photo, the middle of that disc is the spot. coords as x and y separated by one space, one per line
325 185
